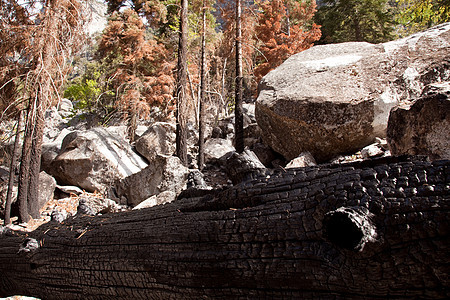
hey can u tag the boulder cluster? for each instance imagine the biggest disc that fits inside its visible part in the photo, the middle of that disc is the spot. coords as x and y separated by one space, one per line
329 104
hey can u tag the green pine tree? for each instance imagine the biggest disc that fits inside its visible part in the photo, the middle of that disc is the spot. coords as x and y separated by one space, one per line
356 20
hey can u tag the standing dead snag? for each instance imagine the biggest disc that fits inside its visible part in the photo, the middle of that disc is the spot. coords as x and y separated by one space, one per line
201 127
281 235
238 110
37 46
12 170
181 113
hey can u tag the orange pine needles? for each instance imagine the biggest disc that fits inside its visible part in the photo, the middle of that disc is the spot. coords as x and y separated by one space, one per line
282 31
144 78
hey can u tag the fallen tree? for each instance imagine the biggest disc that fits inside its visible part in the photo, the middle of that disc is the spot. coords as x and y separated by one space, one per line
369 230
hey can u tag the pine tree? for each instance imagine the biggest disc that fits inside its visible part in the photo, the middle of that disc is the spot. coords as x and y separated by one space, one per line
356 20
226 51
142 76
35 49
238 110
201 127
284 28
12 170
181 112
417 15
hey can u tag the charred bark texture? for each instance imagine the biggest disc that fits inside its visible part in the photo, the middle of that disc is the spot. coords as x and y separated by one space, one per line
182 111
361 231
239 81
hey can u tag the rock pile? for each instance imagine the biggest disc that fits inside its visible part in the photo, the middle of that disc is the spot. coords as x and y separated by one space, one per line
327 104
335 99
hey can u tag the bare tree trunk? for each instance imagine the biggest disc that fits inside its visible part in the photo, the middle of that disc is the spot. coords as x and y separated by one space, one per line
358 231
358 33
181 114
35 164
194 99
12 170
132 120
223 87
238 111
24 171
288 21
201 131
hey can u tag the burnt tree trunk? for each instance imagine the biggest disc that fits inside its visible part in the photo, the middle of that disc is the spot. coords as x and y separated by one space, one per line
202 112
238 110
35 163
12 170
360 231
181 113
24 170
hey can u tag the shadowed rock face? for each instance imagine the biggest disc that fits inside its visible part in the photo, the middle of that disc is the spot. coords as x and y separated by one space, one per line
368 230
422 129
335 99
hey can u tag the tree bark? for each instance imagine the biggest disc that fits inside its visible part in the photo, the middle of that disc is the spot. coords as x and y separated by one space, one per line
181 114
12 170
201 126
238 111
24 171
369 230
35 163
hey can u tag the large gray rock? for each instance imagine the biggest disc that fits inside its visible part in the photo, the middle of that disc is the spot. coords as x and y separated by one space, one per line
94 160
65 107
305 159
217 148
159 139
47 185
162 198
334 99
51 149
162 174
422 129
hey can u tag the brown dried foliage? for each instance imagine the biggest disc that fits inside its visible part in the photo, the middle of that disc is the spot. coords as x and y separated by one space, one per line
36 46
144 78
280 38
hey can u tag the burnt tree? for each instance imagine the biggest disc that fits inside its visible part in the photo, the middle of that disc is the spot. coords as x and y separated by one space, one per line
202 113
238 110
182 111
359 231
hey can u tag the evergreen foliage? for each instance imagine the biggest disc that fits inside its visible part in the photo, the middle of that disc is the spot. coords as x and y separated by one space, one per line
417 15
356 20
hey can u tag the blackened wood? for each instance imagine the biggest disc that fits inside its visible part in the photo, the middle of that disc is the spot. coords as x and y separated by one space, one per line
181 113
202 125
238 110
276 236
12 170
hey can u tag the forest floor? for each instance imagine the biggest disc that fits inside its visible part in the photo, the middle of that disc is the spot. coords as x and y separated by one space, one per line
69 204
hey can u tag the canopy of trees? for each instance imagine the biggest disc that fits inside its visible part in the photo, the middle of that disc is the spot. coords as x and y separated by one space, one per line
356 20
416 15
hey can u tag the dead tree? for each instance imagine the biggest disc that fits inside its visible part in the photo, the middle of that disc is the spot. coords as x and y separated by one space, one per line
202 112
12 170
181 112
238 110
42 40
367 231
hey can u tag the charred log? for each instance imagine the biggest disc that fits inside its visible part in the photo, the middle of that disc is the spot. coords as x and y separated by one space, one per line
361 231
